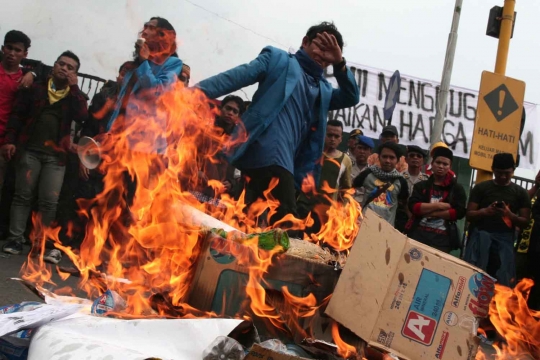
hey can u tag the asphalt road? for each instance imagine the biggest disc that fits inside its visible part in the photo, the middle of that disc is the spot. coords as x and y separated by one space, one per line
13 292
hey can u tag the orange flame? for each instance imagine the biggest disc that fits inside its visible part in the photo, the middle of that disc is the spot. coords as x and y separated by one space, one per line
518 325
141 246
344 350
145 250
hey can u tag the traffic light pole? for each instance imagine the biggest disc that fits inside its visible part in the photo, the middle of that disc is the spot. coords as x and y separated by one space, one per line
507 23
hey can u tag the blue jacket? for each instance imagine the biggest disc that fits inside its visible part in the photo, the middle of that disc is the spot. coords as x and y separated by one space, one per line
149 76
277 73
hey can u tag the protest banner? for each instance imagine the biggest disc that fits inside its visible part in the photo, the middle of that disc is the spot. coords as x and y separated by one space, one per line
415 113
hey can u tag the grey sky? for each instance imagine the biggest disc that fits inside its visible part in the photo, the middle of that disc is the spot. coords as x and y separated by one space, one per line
391 34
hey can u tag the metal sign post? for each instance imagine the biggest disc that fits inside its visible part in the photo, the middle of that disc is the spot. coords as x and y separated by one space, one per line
507 22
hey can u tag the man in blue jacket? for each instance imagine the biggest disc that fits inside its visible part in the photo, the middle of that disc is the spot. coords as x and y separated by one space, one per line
286 123
157 68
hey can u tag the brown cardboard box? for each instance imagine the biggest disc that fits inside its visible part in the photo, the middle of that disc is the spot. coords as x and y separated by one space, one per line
220 280
410 299
259 353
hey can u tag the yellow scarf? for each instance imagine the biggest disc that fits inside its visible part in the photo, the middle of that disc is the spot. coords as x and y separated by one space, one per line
56 95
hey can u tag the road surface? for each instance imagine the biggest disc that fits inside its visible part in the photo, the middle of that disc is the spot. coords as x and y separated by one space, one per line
12 292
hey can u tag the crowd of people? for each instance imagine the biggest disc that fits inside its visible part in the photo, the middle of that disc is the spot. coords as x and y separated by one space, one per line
289 139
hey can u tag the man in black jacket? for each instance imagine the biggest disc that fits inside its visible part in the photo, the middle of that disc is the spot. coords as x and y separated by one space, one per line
38 133
436 204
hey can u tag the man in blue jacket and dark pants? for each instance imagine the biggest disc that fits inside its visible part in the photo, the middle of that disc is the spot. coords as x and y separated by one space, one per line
286 122
156 68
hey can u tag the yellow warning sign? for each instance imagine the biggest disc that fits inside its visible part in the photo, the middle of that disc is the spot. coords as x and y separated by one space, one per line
498 119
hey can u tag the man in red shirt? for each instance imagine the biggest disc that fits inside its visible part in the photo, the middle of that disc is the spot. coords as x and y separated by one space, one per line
15 49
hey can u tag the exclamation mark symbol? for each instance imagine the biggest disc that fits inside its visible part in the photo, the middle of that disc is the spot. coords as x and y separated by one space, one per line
502 95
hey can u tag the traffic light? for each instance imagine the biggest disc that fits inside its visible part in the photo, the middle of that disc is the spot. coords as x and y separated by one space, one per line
494 22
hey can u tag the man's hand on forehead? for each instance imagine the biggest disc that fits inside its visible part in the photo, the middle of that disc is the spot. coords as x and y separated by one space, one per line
328 48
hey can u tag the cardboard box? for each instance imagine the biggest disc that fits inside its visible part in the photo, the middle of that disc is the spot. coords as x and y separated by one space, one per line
220 280
408 298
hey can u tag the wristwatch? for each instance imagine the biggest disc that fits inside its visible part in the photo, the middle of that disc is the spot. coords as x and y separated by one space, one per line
340 65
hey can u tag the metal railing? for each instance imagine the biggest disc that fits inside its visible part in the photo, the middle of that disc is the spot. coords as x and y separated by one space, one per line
524 183
89 84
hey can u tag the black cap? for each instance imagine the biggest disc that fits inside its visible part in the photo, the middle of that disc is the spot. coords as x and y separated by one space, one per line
390 129
392 146
416 149
442 151
503 161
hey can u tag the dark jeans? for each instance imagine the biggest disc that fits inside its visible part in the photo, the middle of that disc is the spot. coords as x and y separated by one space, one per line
284 191
493 253
74 188
39 173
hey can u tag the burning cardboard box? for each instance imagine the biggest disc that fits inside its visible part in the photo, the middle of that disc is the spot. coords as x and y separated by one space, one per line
220 280
409 299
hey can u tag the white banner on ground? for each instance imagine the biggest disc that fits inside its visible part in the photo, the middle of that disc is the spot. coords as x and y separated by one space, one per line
95 338
13 322
415 113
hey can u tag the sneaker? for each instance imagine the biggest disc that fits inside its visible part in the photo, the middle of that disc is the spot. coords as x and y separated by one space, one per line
54 256
13 247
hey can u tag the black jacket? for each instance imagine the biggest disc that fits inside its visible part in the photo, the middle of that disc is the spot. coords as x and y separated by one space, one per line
101 109
422 194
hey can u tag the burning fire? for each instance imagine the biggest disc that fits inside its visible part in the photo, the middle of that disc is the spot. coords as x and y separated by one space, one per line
148 247
344 350
518 326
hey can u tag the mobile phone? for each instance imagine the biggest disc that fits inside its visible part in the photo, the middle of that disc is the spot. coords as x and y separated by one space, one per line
499 204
